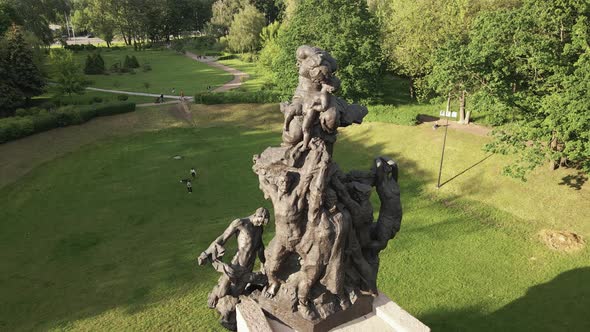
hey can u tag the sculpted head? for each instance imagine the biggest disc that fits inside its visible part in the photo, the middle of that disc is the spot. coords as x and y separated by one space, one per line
315 64
260 217
283 182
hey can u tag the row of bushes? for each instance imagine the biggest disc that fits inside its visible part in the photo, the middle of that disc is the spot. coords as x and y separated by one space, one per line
73 100
90 47
238 97
80 47
405 116
22 126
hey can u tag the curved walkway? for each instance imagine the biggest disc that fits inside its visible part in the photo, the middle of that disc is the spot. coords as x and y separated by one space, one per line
138 93
235 83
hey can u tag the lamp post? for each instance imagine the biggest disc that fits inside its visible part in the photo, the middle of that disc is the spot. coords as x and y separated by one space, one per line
447 114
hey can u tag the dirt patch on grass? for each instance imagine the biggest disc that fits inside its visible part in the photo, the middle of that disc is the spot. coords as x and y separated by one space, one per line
562 240
181 111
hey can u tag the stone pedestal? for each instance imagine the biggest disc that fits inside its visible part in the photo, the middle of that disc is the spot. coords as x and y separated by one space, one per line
386 316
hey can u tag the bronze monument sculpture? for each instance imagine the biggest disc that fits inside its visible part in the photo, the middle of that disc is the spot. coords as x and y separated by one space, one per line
320 269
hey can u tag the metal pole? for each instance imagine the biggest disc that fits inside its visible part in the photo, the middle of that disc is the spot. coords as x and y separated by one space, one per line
442 156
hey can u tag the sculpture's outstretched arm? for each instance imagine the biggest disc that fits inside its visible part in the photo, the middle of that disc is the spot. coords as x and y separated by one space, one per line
216 249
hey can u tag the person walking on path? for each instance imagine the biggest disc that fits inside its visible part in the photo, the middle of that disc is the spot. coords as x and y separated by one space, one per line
182 95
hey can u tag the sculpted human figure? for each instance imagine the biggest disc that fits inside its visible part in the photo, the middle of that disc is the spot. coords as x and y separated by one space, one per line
237 274
322 252
356 199
323 257
288 194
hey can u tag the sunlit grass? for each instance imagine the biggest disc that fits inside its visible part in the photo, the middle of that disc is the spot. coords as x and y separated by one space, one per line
104 237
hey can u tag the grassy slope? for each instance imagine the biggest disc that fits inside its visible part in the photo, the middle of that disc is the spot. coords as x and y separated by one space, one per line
103 238
169 70
255 82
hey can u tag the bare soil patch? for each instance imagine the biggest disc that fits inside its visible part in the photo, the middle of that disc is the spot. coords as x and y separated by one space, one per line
562 240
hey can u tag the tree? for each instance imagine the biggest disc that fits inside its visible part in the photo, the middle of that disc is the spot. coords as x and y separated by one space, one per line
23 73
69 76
35 15
10 96
8 17
223 12
531 79
268 8
345 29
412 31
244 32
452 74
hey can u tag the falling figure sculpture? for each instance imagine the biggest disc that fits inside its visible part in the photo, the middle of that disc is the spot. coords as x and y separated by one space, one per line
320 269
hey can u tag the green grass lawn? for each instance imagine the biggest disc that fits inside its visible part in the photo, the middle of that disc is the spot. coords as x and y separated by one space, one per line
169 70
104 237
256 80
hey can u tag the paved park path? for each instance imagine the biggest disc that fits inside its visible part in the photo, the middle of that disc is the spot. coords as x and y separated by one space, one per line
235 83
140 94
471 128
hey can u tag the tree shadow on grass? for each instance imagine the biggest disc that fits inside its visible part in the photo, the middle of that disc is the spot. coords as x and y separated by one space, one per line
562 304
576 181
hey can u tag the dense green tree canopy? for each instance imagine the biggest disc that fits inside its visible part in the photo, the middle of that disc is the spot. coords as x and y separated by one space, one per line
345 29
69 76
244 32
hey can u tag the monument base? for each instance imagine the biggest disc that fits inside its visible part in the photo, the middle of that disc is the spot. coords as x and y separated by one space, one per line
384 315
362 306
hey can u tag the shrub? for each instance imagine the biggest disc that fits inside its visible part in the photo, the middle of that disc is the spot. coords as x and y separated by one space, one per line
212 53
94 64
406 116
227 57
115 108
237 97
122 97
248 57
146 67
133 62
127 62
97 99
178 46
130 62
27 111
17 127
68 115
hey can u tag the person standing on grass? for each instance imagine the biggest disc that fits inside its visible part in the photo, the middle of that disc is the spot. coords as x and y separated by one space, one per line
189 185
193 172
173 91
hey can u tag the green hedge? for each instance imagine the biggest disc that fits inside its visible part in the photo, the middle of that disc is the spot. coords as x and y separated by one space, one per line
21 126
238 97
406 116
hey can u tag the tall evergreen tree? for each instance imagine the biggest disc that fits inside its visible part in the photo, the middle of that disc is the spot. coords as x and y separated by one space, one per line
22 71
